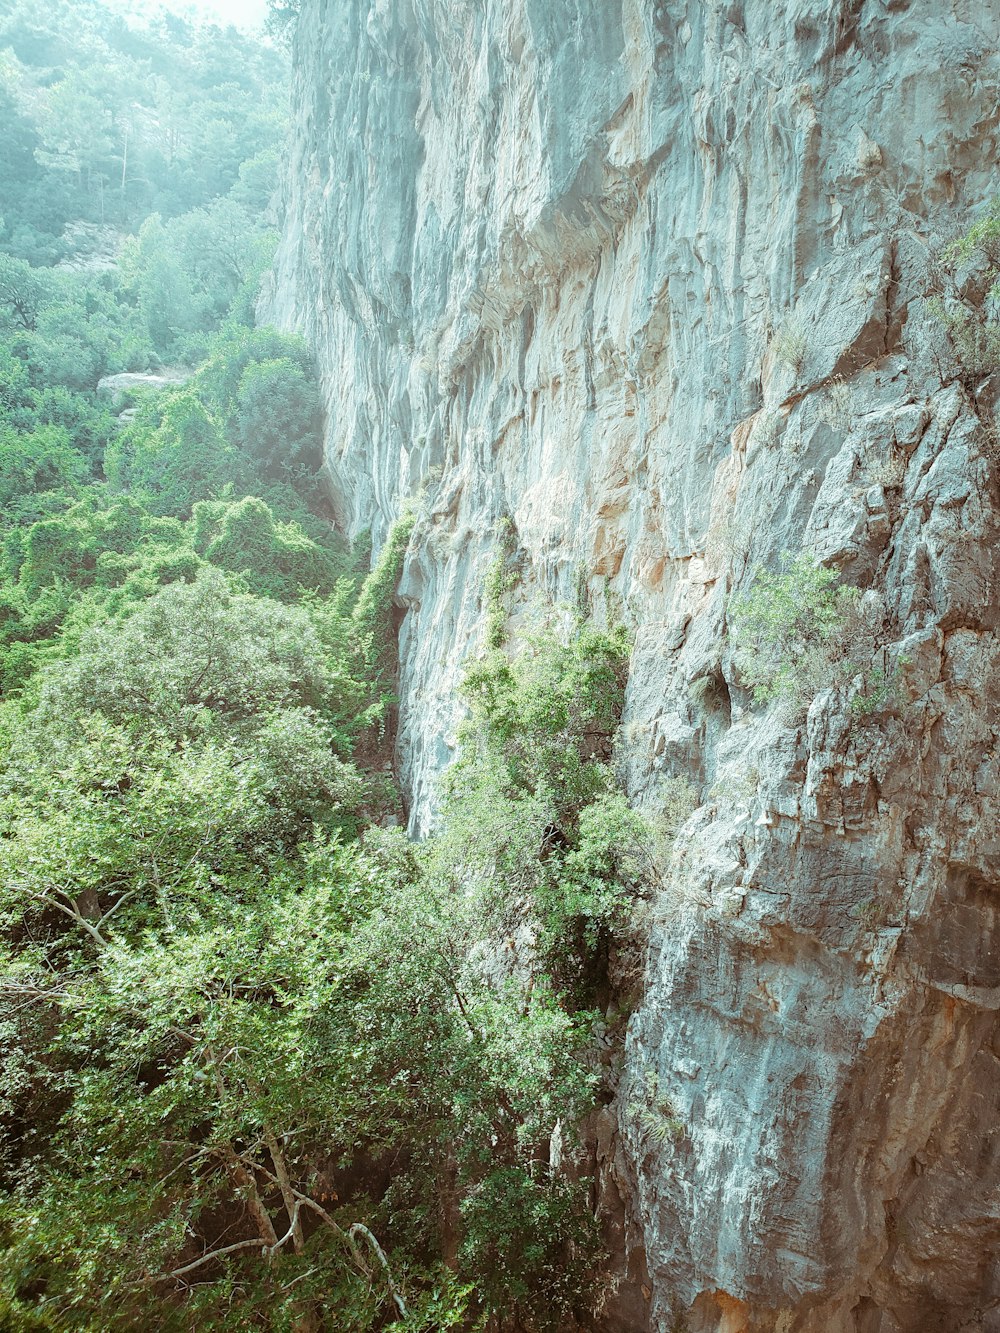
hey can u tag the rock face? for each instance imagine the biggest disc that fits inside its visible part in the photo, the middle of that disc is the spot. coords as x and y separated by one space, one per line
648 278
90 248
118 387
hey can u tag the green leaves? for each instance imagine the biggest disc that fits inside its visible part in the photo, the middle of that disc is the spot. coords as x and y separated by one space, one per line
114 118
792 631
249 1037
277 416
236 1000
24 291
534 823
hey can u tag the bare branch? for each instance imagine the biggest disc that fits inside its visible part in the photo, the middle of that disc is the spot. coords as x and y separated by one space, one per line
288 1193
294 1228
361 1230
71 909
321 1212
115 906
349 1236
258 1244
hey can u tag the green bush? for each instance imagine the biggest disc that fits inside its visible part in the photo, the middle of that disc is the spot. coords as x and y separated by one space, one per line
276 559
794 632
533 816
971 314
247 1036
45 459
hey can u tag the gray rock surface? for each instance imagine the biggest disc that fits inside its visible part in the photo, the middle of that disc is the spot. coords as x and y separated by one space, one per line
91 248
649 278
117 387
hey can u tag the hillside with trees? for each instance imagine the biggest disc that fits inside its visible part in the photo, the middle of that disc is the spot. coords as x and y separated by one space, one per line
256 1070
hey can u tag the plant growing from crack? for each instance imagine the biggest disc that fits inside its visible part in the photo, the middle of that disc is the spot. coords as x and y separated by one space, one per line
790 343
792 631
654 1113
501 579
969 309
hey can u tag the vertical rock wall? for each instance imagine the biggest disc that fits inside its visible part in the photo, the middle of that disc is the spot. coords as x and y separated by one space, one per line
647 276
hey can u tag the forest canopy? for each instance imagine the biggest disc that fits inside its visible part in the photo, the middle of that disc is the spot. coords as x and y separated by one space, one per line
109 121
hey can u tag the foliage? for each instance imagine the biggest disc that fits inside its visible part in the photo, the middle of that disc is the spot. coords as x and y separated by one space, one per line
371 628
792 631
263 1063
654 1114
533 817
969 307
501 578
37 461
111 119
276 416
973 332
282 17
791 343
881 689
276 559
246 422
188 274
23 293
219 993
982 239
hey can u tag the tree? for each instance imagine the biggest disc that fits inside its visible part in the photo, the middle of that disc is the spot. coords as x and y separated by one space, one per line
278 415
75 124
24 292
42 460
282 17
277 559
174 454
153 272
797 631
225 250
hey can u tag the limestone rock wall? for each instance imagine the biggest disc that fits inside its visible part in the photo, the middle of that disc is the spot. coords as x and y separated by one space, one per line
648 277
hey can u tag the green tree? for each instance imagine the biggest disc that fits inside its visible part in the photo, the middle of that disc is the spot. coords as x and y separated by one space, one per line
171 307
277 559
75 122
277 416
173 454
24 292
41 460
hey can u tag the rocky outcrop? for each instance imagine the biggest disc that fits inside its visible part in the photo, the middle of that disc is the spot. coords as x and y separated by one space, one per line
649 279
120 387
90 248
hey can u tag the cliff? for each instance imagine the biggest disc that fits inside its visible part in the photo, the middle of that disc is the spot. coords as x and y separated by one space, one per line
650 279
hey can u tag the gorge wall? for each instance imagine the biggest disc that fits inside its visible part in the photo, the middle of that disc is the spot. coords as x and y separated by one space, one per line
647 277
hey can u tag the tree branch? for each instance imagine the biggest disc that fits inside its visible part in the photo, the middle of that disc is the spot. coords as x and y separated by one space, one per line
72 910
348 1237
115 906
258 1244
294 1228
288 1192
360 1229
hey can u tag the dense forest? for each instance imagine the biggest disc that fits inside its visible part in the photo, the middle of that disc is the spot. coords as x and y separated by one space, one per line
265 1062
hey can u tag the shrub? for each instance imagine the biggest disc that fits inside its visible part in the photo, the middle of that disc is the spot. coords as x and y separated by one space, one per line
792 631
969 311
276 559
790 344
501 578
973 333
881 690
535 825
277 416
